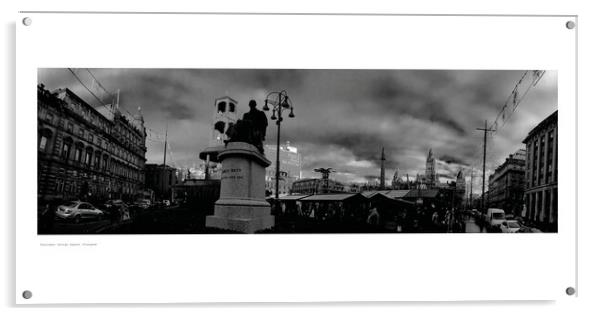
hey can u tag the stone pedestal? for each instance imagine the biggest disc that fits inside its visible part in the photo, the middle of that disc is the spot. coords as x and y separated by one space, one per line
242 206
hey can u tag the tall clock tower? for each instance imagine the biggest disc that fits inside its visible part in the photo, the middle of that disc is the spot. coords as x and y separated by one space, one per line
224 115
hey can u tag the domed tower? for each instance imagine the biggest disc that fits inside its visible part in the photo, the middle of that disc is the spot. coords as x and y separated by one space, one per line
224 115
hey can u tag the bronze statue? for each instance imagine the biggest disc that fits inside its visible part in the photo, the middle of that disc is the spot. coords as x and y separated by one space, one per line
251 129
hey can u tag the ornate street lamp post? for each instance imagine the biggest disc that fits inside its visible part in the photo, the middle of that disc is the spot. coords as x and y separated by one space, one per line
279 101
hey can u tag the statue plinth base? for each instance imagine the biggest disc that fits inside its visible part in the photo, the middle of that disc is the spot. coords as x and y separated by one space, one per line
242 206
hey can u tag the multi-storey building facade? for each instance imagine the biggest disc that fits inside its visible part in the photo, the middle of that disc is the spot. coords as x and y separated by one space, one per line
290 168
541 176
161 179
507 184
85 154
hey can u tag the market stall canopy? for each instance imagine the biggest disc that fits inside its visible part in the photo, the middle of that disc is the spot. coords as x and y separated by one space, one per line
292 197
394 194
334 197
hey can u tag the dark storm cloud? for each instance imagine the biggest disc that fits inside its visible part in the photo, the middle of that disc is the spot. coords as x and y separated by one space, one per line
286 77
396 96
343 117
371 177
163 91
361 144
452 160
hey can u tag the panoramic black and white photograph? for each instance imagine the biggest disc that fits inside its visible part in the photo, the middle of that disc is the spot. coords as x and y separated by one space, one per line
296 151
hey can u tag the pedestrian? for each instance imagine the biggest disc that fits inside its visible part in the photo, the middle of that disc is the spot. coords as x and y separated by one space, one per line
477 221
373 216
48 218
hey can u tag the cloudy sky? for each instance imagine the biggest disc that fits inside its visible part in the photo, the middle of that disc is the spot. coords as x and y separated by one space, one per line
343 117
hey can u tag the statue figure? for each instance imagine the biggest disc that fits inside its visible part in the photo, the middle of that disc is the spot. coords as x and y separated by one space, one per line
251 129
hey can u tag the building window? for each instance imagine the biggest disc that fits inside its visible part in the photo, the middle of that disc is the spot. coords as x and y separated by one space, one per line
45 136
78 153
97 160
220 127
232 107
66 148
221 107
88 157
69 127
43 142
60 184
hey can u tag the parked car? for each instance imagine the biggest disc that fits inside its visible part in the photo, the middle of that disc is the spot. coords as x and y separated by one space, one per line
117 210
77 210
143 203
510 226
113 203
526 229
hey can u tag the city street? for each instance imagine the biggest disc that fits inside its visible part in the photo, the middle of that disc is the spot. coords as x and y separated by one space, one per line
472 227
169 220
85 227
190 220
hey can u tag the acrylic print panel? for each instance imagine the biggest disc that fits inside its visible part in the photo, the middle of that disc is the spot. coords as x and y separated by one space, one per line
368 151
355 100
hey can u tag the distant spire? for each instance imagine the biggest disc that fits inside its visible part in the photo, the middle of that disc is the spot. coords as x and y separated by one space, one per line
430 173
382 169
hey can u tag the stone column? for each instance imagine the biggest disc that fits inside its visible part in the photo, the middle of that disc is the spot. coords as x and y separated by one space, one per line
551 206
536 160
554 160
546 159
537 207
544 206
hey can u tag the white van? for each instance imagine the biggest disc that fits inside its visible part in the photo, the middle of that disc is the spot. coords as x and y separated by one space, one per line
495 217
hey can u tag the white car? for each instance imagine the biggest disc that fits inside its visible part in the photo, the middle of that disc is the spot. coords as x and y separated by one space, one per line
510 226
77 211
